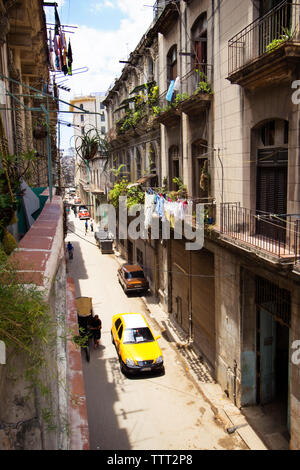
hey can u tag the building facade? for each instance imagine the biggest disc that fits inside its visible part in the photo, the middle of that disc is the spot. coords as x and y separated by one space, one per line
231 135
90 180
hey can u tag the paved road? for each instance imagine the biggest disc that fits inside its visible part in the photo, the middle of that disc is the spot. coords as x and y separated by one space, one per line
147 413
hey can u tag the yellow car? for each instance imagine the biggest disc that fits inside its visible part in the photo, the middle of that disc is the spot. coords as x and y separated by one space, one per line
136 345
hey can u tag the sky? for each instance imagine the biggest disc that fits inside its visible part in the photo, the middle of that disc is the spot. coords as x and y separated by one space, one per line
107 31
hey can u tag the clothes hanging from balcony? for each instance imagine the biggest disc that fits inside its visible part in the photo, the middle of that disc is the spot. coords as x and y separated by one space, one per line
70 58
57 22
177 84
149 209
169 95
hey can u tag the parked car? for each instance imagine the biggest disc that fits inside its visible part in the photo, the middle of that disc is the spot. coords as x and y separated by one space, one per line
136 345
132 278
83 214
77 200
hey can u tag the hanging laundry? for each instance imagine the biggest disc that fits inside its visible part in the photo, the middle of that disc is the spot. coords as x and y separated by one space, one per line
57 22
177 84
70 59
149 209
51 49
170 91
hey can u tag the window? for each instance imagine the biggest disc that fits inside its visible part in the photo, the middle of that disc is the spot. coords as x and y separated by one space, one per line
102 117
82 118
200 169
102 106
138 164
137 335
135 274
82 130
199 37
118 323
120 331
172 64
174 165
102 130
270 141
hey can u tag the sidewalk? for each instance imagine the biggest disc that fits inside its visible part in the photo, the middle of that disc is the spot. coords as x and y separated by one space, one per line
223 407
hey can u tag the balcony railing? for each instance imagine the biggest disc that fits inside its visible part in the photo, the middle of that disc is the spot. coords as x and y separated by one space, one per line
198 78
278 235
159 7
264 35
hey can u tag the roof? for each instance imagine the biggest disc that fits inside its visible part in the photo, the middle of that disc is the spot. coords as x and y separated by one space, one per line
134 320
132 267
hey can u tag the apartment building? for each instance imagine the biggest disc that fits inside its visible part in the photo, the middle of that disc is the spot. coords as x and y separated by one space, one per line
90 180
235 122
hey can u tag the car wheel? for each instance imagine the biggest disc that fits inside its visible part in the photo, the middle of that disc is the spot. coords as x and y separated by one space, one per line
123 370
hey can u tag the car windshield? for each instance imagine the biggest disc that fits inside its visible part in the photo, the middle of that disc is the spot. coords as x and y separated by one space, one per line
137 335
135 275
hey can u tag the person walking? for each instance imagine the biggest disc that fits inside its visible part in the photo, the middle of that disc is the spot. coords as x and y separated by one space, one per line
95 327
86 226
92 226
70 250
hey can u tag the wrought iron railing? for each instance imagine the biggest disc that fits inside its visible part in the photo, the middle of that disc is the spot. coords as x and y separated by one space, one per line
198 78
159 7
264 35
278 235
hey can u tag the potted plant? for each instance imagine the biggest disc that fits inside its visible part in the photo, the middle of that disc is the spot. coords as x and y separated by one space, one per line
40 130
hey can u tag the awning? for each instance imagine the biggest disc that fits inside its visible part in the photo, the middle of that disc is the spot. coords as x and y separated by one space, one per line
141 87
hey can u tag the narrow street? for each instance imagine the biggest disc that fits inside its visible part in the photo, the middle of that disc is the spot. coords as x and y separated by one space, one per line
148 412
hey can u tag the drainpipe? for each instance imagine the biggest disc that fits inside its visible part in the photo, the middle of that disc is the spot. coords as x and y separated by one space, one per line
234 380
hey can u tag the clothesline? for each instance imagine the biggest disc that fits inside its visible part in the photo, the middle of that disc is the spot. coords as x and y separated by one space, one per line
58 46
166 209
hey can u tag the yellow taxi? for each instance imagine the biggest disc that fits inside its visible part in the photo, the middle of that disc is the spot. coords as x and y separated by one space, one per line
136 344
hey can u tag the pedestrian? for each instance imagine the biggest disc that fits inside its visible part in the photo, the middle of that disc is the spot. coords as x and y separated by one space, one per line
96 325
86 226
92 226
70 250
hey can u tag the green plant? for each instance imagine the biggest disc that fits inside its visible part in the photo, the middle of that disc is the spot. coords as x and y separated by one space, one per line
274 44
203 87
135 194
153 95
287 35
182 189
181 97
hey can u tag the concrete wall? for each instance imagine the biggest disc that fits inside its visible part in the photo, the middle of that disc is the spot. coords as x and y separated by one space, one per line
40 258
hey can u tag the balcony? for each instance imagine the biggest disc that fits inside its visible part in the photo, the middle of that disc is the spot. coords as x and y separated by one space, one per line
166 13
268 50
168 115
197 84
274 237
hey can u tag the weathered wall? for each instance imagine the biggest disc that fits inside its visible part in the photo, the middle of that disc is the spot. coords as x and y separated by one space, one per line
41 260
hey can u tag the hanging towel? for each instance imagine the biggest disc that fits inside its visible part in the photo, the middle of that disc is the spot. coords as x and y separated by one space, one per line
176 84
57 22
170 91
